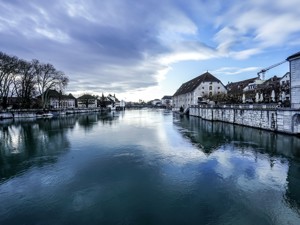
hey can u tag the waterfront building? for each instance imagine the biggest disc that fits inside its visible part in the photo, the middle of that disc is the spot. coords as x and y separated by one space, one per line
87 101
295 79
202 87
285 87
156 102
255 90
253 85
267 92
57 100
166 101
122 104
235 90
113 102
17 102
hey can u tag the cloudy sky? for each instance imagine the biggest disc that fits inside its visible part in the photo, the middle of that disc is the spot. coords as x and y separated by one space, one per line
145 49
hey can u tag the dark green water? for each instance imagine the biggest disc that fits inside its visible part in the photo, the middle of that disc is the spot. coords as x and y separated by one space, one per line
146 167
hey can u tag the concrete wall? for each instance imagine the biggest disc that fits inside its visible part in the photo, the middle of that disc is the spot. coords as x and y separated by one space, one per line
281 120
295 82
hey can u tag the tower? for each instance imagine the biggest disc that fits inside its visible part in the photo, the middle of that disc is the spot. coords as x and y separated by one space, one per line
295 80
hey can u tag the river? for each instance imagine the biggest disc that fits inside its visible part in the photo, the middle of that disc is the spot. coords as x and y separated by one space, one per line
146 167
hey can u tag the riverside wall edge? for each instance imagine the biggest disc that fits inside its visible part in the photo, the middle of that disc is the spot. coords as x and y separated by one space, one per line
277 120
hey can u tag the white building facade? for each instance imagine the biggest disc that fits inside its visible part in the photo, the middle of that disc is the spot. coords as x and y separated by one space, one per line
65 103
203 86
166 101
57 100
87 101
295 80
285 87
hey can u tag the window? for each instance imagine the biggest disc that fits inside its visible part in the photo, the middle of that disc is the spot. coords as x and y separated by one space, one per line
210 93
210 88
218 87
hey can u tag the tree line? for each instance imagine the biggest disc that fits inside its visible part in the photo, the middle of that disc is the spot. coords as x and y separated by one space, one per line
27 80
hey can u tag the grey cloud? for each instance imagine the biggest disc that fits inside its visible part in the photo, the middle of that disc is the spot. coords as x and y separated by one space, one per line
92 47
110 45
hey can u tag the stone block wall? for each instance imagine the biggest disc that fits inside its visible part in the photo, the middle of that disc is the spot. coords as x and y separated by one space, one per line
286 121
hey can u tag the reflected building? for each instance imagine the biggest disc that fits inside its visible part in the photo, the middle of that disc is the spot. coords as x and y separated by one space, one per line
210 135
206 135
292 195
88 121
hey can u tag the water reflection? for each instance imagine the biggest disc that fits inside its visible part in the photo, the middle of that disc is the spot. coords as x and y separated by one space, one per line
209 136
263 159
147 167
35 142
293 186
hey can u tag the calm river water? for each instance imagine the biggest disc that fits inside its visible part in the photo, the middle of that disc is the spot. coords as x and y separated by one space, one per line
146 167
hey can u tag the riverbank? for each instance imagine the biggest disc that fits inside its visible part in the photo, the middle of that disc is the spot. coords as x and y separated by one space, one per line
284 120
32 113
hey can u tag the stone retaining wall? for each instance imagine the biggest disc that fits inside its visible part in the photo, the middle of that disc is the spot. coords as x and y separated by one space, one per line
280 120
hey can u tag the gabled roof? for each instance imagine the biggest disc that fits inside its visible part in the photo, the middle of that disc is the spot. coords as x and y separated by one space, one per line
167 97
112 98
239 86
56 94
287 74
194 83
53 93
86 96
70 96
271 83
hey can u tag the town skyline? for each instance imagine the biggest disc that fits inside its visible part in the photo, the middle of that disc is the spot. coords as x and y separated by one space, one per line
146 50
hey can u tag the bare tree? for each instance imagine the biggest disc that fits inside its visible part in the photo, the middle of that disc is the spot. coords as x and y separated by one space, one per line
25 82
48 78
8 69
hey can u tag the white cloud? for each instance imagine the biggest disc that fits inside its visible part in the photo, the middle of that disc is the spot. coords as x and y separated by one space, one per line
278 30
226 38
116 44
244 54
175 27
250 27
234 70
54 35
184 51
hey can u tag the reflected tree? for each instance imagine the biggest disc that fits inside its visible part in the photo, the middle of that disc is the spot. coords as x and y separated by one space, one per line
33 143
